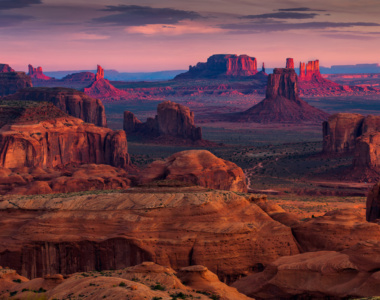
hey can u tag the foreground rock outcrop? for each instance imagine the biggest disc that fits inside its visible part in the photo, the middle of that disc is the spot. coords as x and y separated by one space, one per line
48 138
282 103
373 204
11 81
199 167
173 120
177 227
73 102
145 281
222 65
352 273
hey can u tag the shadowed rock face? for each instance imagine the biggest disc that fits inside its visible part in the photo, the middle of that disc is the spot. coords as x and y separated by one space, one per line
341 131
282 103
199 167
11 82
223 65
289 63
172 120
60 141
37 73
4 68
71 101
176 227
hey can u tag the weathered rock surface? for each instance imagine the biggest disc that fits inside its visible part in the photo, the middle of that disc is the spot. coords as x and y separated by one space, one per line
37 73
4 68
352 273
282 103
70 179
71 101
310 71
199 167
222 65
145 281
61 141
172 120
335 231
82 77
11 82
341 131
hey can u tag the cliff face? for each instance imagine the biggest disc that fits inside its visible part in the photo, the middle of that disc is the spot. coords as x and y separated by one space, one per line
175 227
61 141
289 63
223 65
282 103
37 73
341 131
172 120
71 101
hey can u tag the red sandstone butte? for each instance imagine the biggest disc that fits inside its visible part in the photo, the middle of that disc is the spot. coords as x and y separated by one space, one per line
37 73
4 68
310 72
282 103
289 63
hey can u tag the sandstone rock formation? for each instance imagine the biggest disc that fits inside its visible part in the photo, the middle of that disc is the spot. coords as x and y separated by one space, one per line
289 63
341 131
199 167
60 141
310 71
4 68
367 155
222 65
11 81
102 88
82 77
68 179
352 273
177 227
71 101
145 281
173 120
37 73
282 103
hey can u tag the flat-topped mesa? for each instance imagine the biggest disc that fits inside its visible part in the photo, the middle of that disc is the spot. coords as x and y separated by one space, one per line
4 68
310 71
341 131
223 65
46 139
172 120
71 101
282 83
37 73
289 63
99 73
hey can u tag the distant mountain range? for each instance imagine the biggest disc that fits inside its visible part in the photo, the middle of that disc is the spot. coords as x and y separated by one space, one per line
117 76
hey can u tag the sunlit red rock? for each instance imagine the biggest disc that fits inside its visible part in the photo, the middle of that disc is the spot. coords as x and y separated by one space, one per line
4 68
199 167
289 63
37 73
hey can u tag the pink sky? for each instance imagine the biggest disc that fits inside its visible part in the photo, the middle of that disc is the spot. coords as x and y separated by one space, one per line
150 35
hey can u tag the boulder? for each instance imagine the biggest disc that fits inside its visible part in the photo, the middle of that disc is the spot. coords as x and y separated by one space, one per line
199 167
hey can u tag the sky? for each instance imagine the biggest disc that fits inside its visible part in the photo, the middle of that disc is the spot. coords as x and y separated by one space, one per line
152 35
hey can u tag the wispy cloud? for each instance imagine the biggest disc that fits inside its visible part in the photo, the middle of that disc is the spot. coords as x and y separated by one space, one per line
86 36
11 4
134 15
300 9
7 20
181 28
282 15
